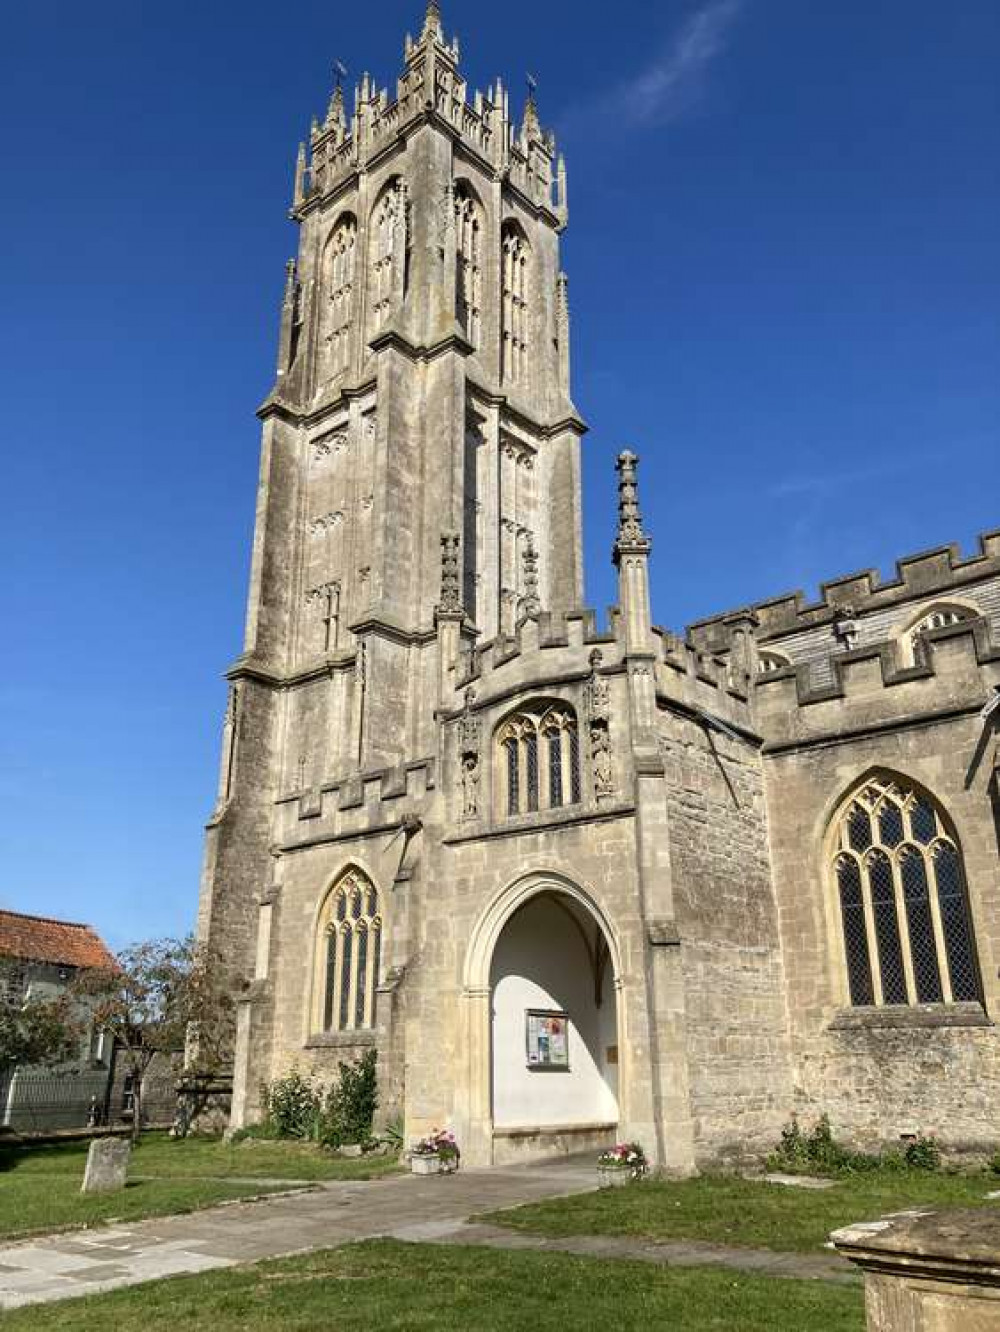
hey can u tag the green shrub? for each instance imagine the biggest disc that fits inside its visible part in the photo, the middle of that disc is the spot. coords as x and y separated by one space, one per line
292 1106
922 1153
995 1163
817 1152
348 1109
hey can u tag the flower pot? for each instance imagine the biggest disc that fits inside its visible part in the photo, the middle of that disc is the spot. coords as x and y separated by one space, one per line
427 1163
613 1177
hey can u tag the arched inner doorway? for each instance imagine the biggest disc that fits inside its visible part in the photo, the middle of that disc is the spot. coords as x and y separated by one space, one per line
553 1018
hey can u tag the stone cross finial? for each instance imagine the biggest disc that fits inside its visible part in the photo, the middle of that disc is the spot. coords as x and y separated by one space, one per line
451 590
630 530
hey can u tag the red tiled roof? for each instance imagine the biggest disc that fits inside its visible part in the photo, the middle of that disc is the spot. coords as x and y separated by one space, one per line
39 939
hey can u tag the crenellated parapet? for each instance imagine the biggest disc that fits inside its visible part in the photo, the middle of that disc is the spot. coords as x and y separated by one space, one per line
367 802
561 638
876 687
933 573
431 87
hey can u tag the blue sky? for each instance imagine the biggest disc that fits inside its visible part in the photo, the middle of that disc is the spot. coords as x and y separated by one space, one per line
785 287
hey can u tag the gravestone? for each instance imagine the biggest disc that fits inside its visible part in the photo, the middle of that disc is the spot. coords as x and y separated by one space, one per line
928 1271
107 1165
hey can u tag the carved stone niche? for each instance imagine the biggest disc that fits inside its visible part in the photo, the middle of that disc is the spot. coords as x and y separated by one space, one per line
598 702
469 758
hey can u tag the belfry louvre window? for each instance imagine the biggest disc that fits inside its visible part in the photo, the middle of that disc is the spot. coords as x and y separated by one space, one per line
903 903
350 948
539 760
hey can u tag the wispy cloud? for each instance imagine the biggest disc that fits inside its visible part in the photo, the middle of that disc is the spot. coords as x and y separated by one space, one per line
675 82
820 485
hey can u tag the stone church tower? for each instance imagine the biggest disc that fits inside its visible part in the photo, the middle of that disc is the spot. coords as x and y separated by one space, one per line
527 859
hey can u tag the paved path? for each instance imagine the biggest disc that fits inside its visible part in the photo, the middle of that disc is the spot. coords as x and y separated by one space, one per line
79 1262
399 1206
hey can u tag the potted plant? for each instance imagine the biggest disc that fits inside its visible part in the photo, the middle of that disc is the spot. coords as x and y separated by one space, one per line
620 1164
437 1154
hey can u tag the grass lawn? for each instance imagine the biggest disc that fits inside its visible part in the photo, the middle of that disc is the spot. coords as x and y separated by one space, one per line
40 1185
727 1209
386 1284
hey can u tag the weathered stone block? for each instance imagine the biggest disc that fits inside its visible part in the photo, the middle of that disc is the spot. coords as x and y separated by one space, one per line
107 1165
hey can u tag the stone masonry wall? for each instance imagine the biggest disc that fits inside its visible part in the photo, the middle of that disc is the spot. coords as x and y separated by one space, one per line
726 916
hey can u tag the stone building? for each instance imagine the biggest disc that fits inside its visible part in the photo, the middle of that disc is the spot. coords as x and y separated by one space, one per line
573 882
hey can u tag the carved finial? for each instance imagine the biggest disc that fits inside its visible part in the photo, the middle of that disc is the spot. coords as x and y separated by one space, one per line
300 175
595 659
531 129
335 117
451 590
432 22
530 603
291 274
631 535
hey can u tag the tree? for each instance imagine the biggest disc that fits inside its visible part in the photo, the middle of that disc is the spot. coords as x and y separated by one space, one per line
161 997
34 1030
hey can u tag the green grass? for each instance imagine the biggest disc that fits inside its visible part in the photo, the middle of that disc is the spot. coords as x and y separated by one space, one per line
40 1185
732 1210
385 1284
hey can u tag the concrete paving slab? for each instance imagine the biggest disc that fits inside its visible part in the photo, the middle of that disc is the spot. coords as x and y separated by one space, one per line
331 1213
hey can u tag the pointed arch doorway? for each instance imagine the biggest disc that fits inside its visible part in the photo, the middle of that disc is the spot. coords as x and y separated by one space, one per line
542 1024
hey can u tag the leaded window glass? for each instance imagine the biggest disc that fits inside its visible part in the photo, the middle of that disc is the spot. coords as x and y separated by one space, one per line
890 952
852 907
962 969
349 954
920 925
531 756
511 749
903 903
555 769
540 760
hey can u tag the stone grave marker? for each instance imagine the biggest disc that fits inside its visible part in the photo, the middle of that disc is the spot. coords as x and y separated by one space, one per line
107 1165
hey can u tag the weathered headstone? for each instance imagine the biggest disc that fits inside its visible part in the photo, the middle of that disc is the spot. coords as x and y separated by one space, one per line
107 1165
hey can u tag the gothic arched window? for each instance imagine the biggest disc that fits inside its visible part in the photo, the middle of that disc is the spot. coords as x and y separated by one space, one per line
468 264
387 243
933 617
340 277
903 903
769 661
350 954
539 751
514 303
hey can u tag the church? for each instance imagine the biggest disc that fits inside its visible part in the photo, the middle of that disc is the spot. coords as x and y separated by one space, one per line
575 882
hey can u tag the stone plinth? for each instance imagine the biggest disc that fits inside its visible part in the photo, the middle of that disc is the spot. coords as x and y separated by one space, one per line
107 1165
929 1271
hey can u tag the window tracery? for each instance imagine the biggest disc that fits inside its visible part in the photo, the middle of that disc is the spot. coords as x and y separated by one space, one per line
514 303
540 760
350 954
769 661
387 254
936 617
907 934
468 267
343 245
